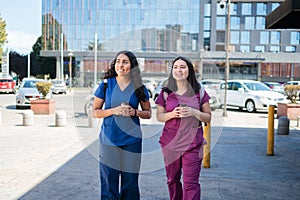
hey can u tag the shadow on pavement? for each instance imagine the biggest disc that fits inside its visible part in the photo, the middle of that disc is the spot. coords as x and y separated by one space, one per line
240 169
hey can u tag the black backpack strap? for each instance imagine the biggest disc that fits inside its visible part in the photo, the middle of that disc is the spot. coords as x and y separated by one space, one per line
166 91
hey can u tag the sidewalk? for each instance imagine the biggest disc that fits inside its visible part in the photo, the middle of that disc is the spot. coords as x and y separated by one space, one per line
47 162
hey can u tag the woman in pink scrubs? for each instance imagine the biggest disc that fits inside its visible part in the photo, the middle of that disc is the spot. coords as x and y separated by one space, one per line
183 105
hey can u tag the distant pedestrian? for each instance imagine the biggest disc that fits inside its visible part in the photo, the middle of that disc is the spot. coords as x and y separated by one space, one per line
120 137
183 105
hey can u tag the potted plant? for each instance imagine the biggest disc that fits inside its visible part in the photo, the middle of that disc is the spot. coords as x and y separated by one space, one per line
292 109
46 105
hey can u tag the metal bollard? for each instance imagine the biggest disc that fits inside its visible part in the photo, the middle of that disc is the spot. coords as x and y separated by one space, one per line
283 125
90 118
28 118
60 118
270 138
206 150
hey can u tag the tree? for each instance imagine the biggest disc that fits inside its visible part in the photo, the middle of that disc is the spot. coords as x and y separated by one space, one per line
42 65
3 37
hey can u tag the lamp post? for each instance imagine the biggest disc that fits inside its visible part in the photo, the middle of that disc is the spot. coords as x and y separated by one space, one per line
70 54
227 4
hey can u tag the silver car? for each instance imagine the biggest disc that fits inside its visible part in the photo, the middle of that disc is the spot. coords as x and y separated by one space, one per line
59 87
28 91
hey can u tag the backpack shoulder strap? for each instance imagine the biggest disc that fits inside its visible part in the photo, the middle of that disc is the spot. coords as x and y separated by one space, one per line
166 91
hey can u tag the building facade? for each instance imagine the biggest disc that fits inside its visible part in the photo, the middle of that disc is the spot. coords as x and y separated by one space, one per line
158 31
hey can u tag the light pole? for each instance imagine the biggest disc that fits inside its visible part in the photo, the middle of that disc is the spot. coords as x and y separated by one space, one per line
226 3
70 54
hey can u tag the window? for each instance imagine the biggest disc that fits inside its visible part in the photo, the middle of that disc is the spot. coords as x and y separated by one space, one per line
207 23
264 37
245 37
234 37
249 23
235 23
275 37
245 48
221 23
260 23
246 8
221 36
290 49
259 48
261 8
295 37
275 5
207 9
274 49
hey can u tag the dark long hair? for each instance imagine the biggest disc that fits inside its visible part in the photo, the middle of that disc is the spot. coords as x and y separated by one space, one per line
134 74
194 85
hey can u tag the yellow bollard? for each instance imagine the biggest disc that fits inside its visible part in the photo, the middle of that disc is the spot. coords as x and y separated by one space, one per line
206 149
270 148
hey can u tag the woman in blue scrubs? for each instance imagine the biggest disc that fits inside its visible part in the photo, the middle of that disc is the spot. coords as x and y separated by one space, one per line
117 101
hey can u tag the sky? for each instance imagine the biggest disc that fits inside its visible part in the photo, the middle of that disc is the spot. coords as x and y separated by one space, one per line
23 23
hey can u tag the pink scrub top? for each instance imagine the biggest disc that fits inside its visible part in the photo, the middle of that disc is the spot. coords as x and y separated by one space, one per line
181 134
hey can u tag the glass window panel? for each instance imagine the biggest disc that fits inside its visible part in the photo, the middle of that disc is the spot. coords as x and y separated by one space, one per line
259 48
249 23
235 23
260 23
274 49
261 8
290 48
234 37
221 23
207 23
275 5
246 8
295 37
245 37
207 10
264 37
275 37
245 48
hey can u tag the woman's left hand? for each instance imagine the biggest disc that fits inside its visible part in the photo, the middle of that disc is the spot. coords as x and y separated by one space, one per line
186 111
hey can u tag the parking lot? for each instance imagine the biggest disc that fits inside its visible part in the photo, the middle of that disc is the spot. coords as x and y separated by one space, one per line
43 161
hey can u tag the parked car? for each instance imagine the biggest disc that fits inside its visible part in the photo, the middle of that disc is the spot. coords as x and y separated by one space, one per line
28 91
275 86
212 83
7 85
158 88
250 94
150 85
59 87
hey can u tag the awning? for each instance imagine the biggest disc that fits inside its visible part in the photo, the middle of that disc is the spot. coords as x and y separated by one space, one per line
286 16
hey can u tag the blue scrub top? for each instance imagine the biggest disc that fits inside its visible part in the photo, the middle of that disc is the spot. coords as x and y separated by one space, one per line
119 130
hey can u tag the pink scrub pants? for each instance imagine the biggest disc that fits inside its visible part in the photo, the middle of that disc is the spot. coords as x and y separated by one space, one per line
187 163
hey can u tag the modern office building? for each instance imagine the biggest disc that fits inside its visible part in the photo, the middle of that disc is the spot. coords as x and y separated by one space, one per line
158 31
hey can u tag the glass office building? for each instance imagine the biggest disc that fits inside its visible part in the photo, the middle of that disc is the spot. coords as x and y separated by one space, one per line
140 25
157 31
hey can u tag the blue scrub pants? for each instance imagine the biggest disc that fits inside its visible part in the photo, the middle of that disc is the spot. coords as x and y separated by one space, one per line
124 162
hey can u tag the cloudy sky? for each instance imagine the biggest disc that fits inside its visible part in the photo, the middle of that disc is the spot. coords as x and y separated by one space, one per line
23 23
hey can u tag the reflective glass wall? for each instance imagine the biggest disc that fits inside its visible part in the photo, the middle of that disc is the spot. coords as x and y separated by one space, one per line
140 25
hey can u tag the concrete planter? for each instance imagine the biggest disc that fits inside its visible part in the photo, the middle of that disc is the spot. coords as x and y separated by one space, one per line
43 106
290 110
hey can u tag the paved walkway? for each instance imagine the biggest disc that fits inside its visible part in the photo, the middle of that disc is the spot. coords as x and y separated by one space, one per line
43 161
